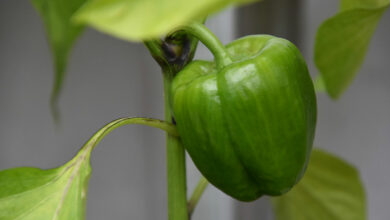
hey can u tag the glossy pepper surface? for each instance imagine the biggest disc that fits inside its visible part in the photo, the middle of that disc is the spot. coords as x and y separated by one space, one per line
248 125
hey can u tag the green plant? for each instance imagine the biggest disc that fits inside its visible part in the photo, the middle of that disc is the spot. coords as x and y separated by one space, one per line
61 192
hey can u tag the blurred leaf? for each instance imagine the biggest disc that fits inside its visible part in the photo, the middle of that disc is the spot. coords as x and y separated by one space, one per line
57 194
350 4
61 34
330 189
319 85
341 45
138 20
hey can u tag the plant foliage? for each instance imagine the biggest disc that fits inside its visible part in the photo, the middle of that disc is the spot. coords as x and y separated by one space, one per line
330 189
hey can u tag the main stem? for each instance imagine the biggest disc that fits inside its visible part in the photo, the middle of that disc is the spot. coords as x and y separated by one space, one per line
176 168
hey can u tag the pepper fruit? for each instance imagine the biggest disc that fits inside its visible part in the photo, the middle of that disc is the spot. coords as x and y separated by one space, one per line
248 119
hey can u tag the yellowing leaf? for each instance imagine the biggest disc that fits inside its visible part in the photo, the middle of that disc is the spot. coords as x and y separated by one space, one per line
144 19
330 190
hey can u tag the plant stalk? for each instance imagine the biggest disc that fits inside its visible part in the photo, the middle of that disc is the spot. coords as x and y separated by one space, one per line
172 54
176 167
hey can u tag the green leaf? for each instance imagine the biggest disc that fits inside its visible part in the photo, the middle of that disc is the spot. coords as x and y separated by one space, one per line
350 4
57 194
341 45
138 20
330 189
61 34
319 85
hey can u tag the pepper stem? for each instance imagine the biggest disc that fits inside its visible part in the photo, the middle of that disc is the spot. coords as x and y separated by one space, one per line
201 32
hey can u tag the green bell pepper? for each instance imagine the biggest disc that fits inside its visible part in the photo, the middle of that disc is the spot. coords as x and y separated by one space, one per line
248 119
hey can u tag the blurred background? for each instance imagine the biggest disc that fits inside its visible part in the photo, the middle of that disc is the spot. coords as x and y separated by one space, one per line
110 78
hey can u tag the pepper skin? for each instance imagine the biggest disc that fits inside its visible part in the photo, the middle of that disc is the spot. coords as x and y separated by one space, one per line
248 126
